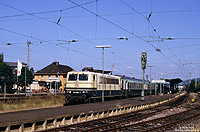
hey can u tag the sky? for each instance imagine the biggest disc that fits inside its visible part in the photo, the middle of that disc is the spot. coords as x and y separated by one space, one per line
50 25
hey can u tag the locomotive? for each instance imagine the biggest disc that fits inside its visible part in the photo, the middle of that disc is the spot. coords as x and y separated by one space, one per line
87 86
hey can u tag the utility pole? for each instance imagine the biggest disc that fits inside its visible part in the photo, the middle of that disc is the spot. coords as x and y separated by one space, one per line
28 55
25 81
112 68
4 89
163 82
196 80
150 78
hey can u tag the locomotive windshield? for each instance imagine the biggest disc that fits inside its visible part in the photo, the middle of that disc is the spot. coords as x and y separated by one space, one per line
83 77
72 77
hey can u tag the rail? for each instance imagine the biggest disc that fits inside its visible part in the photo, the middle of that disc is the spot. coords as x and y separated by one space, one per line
63 120
22 96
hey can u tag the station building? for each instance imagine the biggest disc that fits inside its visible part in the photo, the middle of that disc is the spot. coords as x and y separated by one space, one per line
54 70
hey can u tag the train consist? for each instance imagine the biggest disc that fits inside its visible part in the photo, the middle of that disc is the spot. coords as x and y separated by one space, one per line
85 86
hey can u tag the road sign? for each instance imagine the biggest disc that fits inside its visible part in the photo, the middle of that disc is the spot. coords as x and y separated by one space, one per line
52 79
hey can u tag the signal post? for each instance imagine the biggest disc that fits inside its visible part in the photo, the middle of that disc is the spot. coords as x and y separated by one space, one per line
143 65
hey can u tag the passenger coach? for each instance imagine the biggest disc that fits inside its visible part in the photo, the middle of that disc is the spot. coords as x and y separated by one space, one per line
132 87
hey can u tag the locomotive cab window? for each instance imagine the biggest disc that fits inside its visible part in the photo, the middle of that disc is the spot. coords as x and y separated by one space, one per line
72 77
83 77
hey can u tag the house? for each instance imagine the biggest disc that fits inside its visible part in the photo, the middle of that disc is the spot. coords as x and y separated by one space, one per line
13 65
51 71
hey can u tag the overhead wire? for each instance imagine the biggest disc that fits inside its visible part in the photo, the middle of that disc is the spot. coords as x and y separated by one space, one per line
47 21
49 43
148 19
128 13
45 12
112 23
121 28
52 21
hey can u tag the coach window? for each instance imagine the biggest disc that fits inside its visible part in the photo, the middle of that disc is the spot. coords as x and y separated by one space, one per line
93 77
109 81
83 77
101 80
72 77
114 81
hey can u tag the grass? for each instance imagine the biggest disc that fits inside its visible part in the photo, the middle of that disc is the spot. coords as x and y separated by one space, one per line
32 103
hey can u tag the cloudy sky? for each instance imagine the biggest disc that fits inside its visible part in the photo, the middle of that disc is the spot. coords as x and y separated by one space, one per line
50 25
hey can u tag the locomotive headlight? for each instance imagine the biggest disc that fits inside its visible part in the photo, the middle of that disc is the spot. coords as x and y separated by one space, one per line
70 91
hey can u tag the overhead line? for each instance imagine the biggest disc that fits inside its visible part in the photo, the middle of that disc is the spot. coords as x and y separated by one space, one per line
128 13
51 43
113 24
119 27
43 41
42 12
50 22
153 29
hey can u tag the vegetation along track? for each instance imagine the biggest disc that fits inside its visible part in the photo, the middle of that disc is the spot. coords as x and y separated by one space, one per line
114 121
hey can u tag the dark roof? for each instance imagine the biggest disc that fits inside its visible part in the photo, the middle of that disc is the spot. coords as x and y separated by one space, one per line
14 64
55 68
93 70
133 79
176 80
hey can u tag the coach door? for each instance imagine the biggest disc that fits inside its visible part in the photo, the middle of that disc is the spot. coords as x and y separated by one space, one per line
94 77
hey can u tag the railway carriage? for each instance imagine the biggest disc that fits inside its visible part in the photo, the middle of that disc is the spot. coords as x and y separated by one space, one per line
132 86
83 86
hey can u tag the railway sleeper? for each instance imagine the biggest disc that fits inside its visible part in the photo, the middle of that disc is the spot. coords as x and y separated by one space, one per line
53 123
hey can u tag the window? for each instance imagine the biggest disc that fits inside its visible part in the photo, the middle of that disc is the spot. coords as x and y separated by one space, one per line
72 77
93 77
116 81
42 76
109 81
83 77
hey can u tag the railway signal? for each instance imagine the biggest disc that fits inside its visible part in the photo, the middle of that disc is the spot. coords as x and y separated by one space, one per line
143 63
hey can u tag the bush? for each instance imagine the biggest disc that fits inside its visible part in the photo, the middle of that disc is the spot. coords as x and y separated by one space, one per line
32 103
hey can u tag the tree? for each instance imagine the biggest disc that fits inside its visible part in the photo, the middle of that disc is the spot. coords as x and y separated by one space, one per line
191 87
197 88
6 76
1 58
21 78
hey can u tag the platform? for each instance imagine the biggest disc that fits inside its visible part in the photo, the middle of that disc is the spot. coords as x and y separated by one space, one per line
40 114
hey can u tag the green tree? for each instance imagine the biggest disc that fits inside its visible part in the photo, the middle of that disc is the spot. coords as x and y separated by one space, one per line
21 78
1 58
6 76
197 88
191 87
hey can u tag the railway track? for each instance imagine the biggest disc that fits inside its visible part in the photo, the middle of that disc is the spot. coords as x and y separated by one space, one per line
13 97
156 124
114 121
